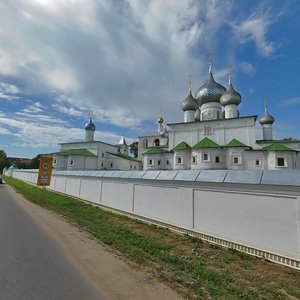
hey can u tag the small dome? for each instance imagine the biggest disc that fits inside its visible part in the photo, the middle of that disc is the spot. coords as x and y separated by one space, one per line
90 125
189 103
197 115
160 120
266 119
231 96
210 91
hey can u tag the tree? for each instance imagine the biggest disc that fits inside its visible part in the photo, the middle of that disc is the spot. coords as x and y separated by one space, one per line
290 139
134 149
35 162
3 160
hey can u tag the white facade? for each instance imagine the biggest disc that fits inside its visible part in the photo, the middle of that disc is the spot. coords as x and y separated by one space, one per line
94 155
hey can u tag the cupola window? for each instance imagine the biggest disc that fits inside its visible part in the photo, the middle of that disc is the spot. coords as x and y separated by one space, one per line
156 142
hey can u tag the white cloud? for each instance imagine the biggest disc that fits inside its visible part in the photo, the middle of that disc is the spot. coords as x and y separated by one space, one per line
247 68
133 56
9 88
255 28
37 107
39 119
5 131
290 102
8 97
9 91
44 132
70 111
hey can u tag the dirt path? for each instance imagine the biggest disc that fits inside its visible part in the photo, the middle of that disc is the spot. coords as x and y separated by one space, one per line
101 265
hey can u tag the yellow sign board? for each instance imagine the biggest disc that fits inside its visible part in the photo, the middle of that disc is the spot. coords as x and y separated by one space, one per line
45 171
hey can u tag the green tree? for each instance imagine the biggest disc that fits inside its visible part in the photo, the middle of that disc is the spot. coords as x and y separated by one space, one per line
290 139
3 160
133 148
35 162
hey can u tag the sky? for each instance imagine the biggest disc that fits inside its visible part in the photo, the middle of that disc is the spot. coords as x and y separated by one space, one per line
125 62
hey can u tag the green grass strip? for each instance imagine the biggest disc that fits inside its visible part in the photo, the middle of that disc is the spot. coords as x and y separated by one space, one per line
196 269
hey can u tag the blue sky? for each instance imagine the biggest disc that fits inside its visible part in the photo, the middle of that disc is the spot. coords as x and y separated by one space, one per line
127 60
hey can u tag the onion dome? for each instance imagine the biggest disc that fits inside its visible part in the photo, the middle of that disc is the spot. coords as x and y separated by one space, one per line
189 103
266 118
231 96
90 125
210 91
197 115
160 120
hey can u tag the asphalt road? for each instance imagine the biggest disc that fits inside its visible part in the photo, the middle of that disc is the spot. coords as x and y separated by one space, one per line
32 265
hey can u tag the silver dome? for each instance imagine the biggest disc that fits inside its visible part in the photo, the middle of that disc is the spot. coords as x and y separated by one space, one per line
189 103
197 115
231 96
210 91
266 119
90 125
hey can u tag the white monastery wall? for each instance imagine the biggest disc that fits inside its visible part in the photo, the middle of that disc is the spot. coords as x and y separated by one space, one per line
91 189
265 221
171 205
73 186
117 195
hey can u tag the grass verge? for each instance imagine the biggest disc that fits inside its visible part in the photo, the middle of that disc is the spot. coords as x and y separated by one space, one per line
196 269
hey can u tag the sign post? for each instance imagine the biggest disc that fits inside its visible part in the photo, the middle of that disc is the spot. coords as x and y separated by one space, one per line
45 172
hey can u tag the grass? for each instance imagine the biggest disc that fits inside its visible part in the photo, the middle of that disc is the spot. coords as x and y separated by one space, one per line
194 268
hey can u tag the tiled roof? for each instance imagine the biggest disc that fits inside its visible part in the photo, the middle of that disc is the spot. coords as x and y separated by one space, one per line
277 147
182 146
76 152
156 150
206 143
123 156
236 143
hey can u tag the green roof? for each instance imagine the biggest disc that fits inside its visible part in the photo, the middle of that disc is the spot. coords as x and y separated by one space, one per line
182 146
123 156
285 141
277 147
79 152
156 150
236 143
206 143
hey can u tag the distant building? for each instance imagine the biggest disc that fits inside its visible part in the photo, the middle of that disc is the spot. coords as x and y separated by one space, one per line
214 136
94 155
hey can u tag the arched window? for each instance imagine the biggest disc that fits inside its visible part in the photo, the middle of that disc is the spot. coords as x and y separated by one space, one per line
145 143
156 142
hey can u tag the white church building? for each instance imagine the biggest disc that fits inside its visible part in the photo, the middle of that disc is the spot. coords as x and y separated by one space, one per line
214 136
94 155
